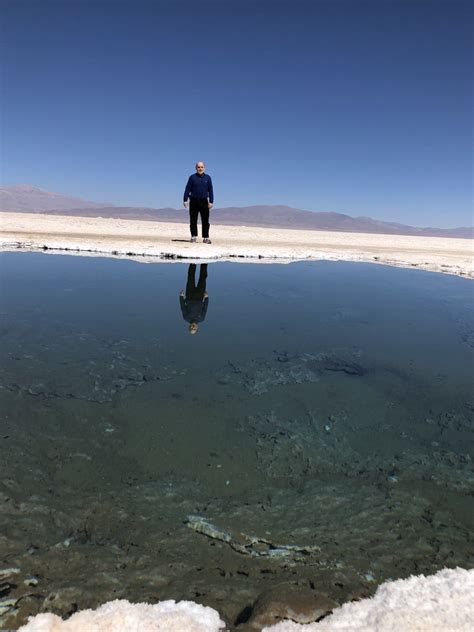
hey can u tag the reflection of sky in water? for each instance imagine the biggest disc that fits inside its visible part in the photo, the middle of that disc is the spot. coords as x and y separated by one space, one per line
319 405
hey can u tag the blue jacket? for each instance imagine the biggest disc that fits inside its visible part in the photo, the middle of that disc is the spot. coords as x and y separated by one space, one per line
199 187
194 311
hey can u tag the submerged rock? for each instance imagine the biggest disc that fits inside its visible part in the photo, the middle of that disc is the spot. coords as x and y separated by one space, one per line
288 601
99 369
253 546
261 374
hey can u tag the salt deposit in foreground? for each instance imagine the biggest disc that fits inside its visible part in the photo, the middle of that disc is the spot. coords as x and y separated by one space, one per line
442 602
118 615
134 238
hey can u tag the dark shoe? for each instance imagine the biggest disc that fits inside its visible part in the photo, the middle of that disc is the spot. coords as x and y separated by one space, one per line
193 240
206 240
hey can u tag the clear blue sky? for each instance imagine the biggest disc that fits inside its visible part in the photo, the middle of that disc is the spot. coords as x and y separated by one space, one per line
360 107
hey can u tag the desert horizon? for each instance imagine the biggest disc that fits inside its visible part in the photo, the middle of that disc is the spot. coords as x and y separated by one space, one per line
27 198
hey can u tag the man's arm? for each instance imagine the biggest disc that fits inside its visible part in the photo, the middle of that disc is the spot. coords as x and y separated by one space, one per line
187 191
211 193
182 302
204 308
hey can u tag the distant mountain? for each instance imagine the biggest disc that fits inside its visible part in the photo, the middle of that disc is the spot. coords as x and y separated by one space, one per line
26 198
29 200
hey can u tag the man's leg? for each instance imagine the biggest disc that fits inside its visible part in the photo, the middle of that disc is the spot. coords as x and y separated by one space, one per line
201 286
191 284
205 219
193 217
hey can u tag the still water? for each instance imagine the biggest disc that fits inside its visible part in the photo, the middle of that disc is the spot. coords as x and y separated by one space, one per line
315 431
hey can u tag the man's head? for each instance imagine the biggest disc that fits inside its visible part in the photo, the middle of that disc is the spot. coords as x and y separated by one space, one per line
193 327
200 167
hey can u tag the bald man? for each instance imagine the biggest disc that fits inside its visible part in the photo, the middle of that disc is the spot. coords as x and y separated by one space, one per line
199 196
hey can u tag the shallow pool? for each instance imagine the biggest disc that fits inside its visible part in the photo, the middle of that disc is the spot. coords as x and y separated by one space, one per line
200 432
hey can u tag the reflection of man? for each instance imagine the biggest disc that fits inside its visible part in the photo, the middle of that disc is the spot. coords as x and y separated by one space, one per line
194 301
200 194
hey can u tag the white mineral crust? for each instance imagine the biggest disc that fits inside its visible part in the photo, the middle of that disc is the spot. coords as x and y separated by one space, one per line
122 616
439 603
148 241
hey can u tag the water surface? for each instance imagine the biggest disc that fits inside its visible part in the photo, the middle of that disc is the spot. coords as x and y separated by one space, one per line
315 431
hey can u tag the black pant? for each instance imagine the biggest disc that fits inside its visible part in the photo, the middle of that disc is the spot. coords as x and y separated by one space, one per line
196 292
196 206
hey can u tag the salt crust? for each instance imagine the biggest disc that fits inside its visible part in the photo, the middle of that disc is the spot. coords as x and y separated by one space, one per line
440 603
152 241
122 616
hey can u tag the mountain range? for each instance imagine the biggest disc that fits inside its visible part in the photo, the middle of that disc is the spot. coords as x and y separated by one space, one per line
27 198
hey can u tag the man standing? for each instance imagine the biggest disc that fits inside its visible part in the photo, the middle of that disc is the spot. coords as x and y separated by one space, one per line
200 197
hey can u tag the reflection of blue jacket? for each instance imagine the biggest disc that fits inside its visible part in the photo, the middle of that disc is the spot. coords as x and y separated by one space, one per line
193 311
